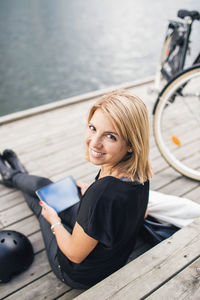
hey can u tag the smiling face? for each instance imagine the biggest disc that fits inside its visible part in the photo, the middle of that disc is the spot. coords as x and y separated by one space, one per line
106 148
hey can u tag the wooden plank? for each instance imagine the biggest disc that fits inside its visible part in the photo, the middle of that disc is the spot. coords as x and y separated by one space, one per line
159 164
10 199
39 268
26 226
191 159
71 294
73 100
56 121
47 287
21 211
14 214
28 143
28 134
146 273
185 184
56 153
30 228
154 152
185 285
194 194
164 178
79 172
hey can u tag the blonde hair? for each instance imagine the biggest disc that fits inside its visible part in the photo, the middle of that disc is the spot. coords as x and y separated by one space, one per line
129 116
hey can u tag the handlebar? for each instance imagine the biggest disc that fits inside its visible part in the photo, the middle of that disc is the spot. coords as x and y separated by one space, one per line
193 14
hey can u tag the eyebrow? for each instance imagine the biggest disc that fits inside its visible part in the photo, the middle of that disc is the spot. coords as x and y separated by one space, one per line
107 132
111 132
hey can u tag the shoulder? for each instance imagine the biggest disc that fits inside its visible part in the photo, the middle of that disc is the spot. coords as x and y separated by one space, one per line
103 184
112 188
99 190
108 184
110 181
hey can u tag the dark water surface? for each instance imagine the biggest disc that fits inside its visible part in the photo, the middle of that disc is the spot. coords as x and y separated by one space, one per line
51 50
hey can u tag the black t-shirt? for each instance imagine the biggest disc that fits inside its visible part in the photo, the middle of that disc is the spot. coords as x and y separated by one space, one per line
111 211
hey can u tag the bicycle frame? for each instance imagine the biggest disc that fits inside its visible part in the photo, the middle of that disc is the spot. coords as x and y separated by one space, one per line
197 60
182 50
176 46
189 23
181 89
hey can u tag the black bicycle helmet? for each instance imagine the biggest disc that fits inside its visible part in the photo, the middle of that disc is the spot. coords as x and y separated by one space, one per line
16 254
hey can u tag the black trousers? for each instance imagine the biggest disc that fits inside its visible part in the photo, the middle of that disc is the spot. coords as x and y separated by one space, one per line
28 184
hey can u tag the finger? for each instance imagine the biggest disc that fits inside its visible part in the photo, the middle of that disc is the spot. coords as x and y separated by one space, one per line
43 204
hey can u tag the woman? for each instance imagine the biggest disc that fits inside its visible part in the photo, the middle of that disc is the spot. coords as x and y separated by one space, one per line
91 240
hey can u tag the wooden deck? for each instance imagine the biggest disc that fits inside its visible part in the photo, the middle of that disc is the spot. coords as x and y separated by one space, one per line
167 271
49 141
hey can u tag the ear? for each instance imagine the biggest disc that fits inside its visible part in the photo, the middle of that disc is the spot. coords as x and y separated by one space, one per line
130 150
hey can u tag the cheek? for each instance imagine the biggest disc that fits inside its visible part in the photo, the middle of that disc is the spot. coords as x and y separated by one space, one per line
123 150
87 137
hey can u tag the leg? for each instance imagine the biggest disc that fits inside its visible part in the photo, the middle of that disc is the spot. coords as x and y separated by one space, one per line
51 243
29 183
51 246
52 249
48 237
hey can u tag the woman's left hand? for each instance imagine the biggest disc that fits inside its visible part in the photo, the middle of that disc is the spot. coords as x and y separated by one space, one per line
49 213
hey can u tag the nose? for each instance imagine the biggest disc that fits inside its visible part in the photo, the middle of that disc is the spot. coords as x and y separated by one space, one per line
96 141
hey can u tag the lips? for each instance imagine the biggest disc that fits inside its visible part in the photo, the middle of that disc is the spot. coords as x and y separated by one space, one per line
96 154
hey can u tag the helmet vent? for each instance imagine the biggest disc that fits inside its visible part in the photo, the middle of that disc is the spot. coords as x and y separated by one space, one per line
8 233
15 242
3 240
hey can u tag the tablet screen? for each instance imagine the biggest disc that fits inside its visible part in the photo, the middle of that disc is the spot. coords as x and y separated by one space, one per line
61 194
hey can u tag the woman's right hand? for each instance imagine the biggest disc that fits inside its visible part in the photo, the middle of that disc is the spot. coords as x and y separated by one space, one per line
49 213
83 186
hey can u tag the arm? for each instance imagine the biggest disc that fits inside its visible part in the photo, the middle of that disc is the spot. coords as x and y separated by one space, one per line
76 246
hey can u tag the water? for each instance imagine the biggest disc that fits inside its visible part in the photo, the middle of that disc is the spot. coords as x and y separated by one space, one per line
51 50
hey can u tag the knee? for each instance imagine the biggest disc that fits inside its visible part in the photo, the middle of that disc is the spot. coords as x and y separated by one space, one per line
41 182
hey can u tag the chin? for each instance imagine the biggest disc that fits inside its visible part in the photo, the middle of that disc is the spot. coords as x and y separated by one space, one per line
96 162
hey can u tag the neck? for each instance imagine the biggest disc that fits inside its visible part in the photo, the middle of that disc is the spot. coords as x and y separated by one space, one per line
109 172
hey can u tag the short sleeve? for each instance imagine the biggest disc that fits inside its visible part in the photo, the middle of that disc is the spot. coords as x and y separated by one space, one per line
97 213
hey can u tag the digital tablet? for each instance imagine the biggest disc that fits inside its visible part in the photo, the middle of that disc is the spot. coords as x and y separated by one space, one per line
61 194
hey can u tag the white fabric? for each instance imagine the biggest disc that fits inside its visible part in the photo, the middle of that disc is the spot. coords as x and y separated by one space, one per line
172 209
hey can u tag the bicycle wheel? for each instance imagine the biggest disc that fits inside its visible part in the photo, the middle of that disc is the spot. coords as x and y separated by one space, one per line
177 122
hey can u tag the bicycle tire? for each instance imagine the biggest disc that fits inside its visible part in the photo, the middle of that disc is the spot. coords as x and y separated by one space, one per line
178 146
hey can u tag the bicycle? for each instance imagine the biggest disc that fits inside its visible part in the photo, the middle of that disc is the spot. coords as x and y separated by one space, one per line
176 47
177 135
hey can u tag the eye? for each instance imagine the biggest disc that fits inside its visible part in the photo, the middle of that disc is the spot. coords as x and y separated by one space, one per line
111 136
91 127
